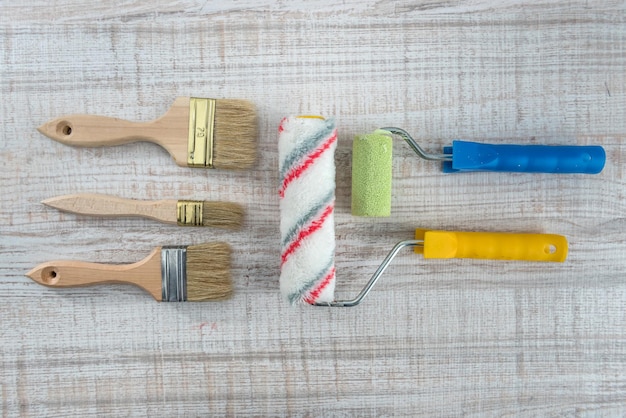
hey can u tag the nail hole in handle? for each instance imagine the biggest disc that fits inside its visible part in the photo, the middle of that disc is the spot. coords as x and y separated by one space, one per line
64 128
50 276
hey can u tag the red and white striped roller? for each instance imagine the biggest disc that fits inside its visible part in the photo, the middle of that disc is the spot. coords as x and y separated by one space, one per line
306 148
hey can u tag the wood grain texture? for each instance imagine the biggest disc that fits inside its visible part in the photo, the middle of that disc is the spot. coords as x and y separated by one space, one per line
145 274
169 131
435 337
112 206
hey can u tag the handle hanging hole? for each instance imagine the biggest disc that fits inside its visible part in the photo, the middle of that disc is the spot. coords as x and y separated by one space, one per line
550 249
50 276
64 128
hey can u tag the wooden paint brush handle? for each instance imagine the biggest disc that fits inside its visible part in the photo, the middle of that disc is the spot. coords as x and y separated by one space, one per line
169 131
104 205
98 131
146 273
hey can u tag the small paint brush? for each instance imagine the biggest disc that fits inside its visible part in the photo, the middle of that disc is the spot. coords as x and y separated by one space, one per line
182 212
197 132
196 273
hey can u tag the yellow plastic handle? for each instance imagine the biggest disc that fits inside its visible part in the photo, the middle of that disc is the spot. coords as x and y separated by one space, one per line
493 245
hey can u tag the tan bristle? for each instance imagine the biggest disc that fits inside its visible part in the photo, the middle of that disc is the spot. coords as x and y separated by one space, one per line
222 215
208 272
235 134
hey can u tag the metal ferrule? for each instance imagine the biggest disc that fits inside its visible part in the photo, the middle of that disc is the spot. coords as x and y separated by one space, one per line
189 212
174 274
201 122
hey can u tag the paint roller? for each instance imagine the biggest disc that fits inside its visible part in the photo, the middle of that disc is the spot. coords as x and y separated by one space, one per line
372 159
306 146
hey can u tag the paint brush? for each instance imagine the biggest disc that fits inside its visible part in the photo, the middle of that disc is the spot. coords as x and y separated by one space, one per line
197 132
196 273
182 212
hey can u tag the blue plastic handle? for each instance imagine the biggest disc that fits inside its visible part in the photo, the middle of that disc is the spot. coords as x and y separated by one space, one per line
474 156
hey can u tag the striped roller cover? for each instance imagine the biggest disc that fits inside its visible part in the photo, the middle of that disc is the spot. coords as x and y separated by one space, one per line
306 148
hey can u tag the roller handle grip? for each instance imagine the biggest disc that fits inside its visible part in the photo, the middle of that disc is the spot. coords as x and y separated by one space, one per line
495 246
473 156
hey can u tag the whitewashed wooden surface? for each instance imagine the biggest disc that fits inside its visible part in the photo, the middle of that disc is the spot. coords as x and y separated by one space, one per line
435 338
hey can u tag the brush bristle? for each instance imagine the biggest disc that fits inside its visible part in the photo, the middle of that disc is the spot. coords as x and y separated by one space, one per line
235 134
208 272
222 215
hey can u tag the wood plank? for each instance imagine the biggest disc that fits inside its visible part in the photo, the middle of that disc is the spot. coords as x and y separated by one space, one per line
435 337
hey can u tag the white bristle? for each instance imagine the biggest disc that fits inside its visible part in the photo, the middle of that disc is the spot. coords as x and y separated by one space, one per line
306 149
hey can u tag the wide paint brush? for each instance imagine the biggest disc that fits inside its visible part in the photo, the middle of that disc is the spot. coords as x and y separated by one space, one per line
197 132
196 273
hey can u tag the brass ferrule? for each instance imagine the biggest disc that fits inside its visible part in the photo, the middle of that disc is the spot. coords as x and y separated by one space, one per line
189 212
201 123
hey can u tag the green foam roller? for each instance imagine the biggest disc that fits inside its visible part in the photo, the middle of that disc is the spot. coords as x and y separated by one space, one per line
371 174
